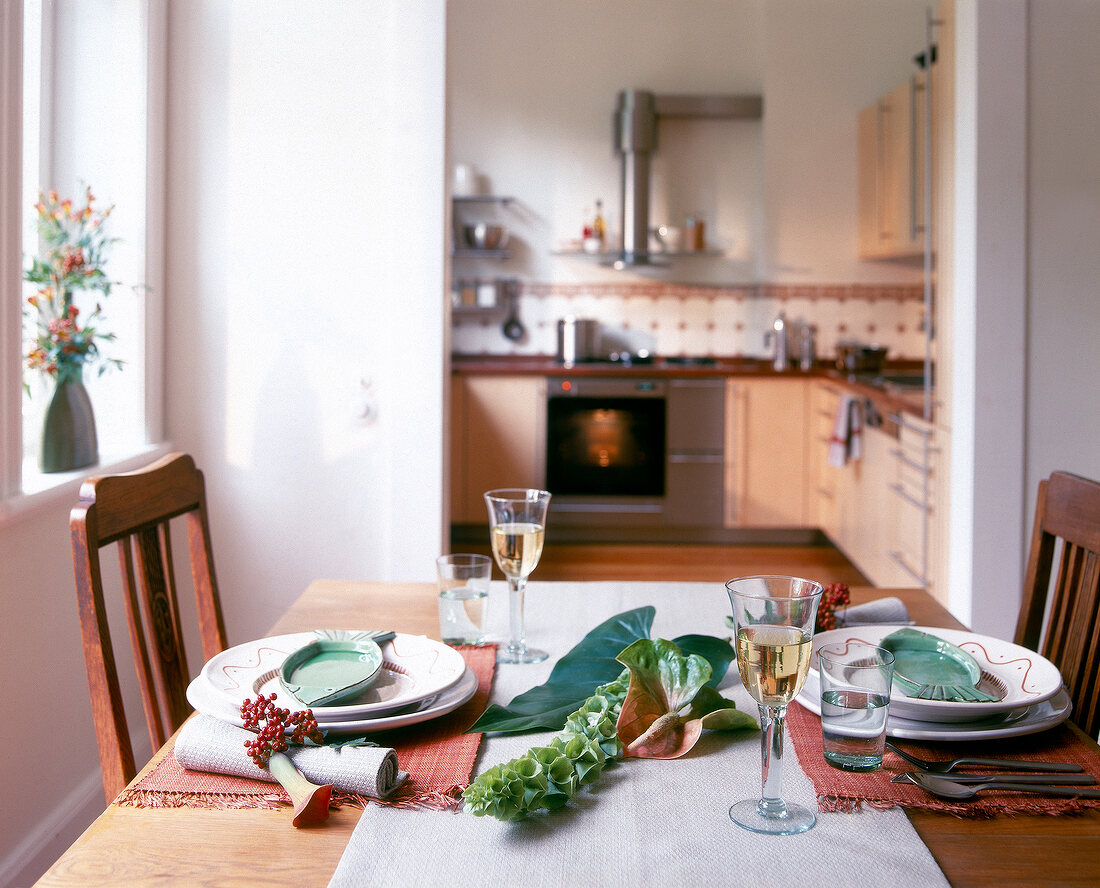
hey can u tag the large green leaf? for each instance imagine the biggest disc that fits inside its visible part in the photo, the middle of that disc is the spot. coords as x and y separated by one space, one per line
588 665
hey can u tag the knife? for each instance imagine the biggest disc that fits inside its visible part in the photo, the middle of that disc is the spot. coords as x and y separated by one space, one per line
1061 779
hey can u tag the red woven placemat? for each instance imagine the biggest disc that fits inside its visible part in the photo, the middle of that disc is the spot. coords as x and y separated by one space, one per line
439 756
839 790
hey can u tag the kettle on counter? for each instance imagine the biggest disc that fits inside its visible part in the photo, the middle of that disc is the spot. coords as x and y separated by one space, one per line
777 338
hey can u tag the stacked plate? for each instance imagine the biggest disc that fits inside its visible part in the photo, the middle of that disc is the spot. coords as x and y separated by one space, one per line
420 679
1032 697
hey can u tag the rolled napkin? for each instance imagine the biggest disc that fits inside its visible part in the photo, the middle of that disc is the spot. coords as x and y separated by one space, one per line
882 610
206 743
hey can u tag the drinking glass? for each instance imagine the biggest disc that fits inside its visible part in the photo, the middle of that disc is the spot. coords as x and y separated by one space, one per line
517 527
774 617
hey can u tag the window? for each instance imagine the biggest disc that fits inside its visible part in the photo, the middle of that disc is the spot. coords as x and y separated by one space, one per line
89 112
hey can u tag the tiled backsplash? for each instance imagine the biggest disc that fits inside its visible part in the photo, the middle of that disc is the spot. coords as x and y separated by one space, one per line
694 321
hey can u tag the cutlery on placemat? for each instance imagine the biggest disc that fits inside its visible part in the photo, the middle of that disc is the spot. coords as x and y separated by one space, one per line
1060 779
949 789
944 767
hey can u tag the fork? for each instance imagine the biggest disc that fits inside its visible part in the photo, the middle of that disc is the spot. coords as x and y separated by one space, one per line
944 767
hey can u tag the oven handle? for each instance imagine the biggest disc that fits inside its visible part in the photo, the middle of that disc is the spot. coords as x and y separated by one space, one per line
696 458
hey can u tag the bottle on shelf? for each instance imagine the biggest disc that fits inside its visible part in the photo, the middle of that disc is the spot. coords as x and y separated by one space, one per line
599 226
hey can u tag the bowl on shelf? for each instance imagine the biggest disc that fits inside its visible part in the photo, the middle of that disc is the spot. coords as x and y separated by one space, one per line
484 236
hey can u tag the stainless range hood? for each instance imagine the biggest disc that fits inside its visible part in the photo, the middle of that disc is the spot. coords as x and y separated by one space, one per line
634 136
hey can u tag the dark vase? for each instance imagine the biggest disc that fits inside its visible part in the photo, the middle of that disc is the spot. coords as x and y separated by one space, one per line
68 433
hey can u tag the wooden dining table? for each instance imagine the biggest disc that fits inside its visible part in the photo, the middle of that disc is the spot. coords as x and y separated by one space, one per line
135 846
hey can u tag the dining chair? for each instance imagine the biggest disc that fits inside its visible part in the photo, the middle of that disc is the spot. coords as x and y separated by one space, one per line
1068 510
136 510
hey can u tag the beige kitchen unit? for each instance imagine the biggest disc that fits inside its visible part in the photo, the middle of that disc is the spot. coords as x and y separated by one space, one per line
880 510
496 439
892 174
767 453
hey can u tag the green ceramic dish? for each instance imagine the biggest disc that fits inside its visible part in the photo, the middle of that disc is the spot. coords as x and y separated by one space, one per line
929 667
327 671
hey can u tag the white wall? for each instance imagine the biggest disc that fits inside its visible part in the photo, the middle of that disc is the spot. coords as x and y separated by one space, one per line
305 273
1063 312
530 102
305 253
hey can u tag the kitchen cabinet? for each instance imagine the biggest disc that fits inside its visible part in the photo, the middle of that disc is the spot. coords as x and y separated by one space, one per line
497 437
823 479
766 453
874 509
912 484
892 172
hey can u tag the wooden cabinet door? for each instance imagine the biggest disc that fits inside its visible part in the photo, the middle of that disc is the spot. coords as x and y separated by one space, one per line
766 464
890 146
497 439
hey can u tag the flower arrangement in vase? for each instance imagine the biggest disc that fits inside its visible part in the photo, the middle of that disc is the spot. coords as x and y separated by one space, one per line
73 253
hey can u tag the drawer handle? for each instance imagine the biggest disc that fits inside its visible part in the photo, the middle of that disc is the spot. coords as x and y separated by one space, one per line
912 500
900 561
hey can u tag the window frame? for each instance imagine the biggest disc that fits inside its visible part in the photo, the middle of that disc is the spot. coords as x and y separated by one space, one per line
16 495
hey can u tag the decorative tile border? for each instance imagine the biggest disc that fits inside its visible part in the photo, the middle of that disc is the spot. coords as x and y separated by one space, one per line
677 319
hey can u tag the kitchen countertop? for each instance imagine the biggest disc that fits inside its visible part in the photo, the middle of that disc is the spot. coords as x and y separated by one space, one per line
886 398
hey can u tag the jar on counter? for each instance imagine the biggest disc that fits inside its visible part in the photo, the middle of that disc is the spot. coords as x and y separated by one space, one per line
695 231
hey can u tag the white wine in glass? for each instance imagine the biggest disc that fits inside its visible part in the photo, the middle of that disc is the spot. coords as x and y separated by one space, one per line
517 530
774 617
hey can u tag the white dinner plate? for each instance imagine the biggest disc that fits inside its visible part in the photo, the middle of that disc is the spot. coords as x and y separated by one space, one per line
1030 720
414 668
1028 678
207 701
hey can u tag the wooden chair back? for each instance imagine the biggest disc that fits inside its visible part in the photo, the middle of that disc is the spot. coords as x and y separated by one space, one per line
134 510
1068 509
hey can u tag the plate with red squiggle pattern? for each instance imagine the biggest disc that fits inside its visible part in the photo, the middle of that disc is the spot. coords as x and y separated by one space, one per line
414 669
1024 677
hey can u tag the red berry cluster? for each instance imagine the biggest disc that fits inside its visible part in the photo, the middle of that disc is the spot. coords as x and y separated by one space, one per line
835 596
272 736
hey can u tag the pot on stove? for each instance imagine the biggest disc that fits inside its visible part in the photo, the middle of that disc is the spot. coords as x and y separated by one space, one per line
578 340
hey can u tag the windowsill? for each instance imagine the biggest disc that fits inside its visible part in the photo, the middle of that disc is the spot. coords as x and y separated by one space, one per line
41 491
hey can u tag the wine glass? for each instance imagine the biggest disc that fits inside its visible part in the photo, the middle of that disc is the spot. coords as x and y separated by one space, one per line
517 527
774 617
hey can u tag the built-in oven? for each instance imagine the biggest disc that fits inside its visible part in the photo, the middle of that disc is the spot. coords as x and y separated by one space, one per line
635 452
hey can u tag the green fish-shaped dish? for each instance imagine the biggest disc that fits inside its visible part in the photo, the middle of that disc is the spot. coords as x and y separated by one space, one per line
929 668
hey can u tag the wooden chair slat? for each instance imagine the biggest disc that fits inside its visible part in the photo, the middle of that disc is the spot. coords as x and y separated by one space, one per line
135 509
1068 631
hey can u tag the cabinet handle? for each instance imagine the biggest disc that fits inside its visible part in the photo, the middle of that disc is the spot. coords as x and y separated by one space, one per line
901 562
909 498
880 171
915 227
909 461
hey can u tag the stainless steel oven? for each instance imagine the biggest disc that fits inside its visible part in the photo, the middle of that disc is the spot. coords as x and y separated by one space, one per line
635 452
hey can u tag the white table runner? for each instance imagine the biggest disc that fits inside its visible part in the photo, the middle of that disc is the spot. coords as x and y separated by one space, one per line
645 821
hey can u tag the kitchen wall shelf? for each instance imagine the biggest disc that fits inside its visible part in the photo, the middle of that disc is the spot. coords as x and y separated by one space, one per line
482 198
609 256
466 211
473 253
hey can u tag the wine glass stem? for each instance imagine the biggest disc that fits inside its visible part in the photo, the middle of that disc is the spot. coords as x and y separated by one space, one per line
517 637
771 750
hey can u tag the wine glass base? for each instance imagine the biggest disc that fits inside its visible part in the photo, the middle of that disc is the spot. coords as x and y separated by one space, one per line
796 819
526 655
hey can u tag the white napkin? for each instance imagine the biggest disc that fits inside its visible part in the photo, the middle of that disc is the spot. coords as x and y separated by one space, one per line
882 610
209 744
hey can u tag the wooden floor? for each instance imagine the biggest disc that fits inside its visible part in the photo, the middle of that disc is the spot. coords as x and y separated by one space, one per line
687 562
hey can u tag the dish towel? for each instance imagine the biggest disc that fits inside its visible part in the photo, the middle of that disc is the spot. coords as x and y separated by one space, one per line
209 744
846 443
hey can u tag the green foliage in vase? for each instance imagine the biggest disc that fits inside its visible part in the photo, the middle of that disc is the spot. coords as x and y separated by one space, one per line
74 247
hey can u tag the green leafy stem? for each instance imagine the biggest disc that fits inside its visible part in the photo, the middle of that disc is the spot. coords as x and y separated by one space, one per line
658 707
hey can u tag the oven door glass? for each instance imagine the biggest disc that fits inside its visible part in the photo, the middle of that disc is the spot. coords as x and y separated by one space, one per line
605 446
